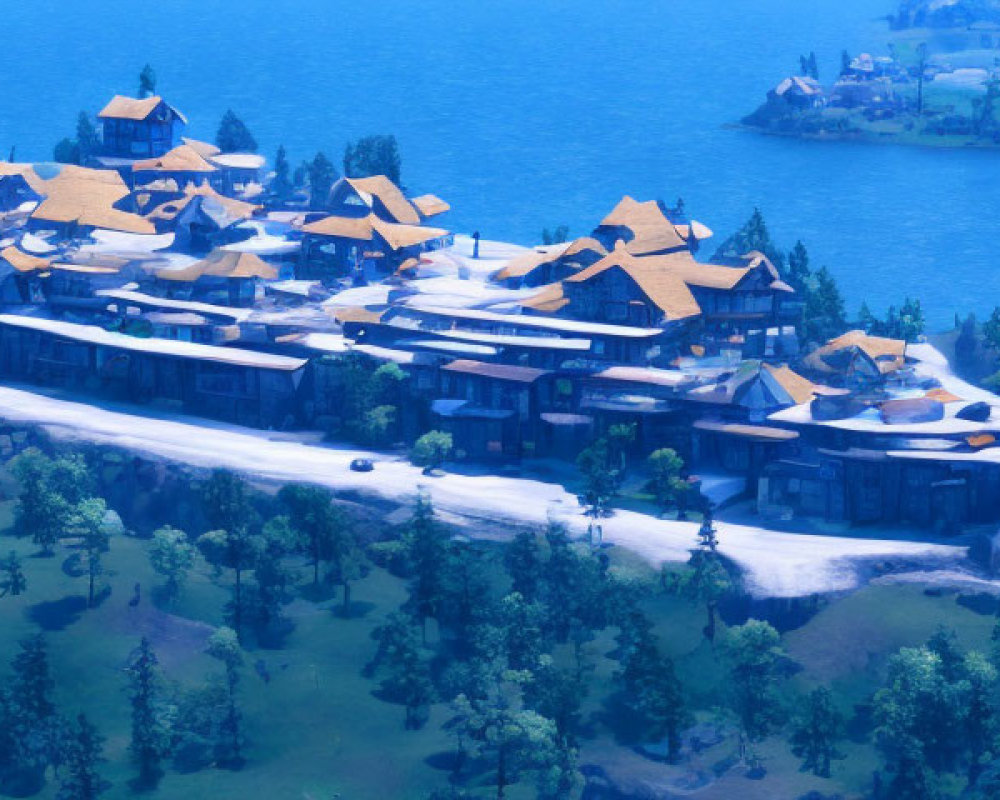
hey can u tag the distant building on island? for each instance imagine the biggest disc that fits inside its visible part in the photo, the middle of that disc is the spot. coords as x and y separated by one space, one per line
140 128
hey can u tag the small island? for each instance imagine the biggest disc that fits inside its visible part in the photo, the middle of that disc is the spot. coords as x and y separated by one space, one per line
937 84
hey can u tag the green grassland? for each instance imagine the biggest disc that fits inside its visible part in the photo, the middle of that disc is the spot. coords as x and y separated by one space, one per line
316 731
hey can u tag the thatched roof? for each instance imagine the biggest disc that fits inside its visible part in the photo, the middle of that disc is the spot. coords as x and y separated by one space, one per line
232 210
430 205
665 288
134 109
389 194
87 197
888 355
341 227
222 264
548 300
23 262
182 158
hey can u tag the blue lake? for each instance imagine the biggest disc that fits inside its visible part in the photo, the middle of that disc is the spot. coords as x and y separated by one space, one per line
532 113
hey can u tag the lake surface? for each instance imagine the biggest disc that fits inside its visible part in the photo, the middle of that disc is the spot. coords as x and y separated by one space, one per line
532 113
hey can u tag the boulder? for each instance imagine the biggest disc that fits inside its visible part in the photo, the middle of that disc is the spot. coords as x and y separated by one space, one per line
918 409
975 412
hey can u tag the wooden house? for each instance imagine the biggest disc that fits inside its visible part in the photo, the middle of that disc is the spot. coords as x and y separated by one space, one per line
182 164
235 274
551 264
674 289
241 386
491 410
139 128
646 230
239 174
199 217
336 246
379 196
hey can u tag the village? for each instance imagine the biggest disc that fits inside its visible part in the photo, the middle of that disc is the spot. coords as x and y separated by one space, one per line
164 274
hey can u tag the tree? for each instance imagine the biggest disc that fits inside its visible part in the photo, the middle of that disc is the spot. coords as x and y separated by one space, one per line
147 81
238 550
666 483
12 580
798 268
150 725
87 141
225 502
172 556
281 184
373 155
224 646
601 476
272 578
650 688
512 740
967 343
29 727
523 631
425 551
321 174
408 676
817 731
753 651
66 151
825 316
706 580
917 720
911 320
321 526
431 450
233 135
41 511
89 522
991 330
82 781
556 694
980 711
524 564
754 235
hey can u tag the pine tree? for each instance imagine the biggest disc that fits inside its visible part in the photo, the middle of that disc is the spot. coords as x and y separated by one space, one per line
87 141
281 185
12 581
224 645
524 564
85 749
426 548
150 733
233 135
799 273
322 174
147 81
816 732
373 155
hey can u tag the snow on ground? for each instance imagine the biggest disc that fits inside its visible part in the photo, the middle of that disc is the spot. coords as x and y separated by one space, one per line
933 364
118 243
776 564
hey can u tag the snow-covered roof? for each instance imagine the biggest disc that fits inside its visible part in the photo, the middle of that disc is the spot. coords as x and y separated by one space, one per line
91 334
524 321
150 301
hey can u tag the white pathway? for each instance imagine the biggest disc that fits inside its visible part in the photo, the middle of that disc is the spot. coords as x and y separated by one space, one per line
776 564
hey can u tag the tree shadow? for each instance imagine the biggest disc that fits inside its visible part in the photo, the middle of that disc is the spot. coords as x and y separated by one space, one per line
57 615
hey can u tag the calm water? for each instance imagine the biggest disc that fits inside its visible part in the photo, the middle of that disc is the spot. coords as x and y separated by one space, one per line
532 113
